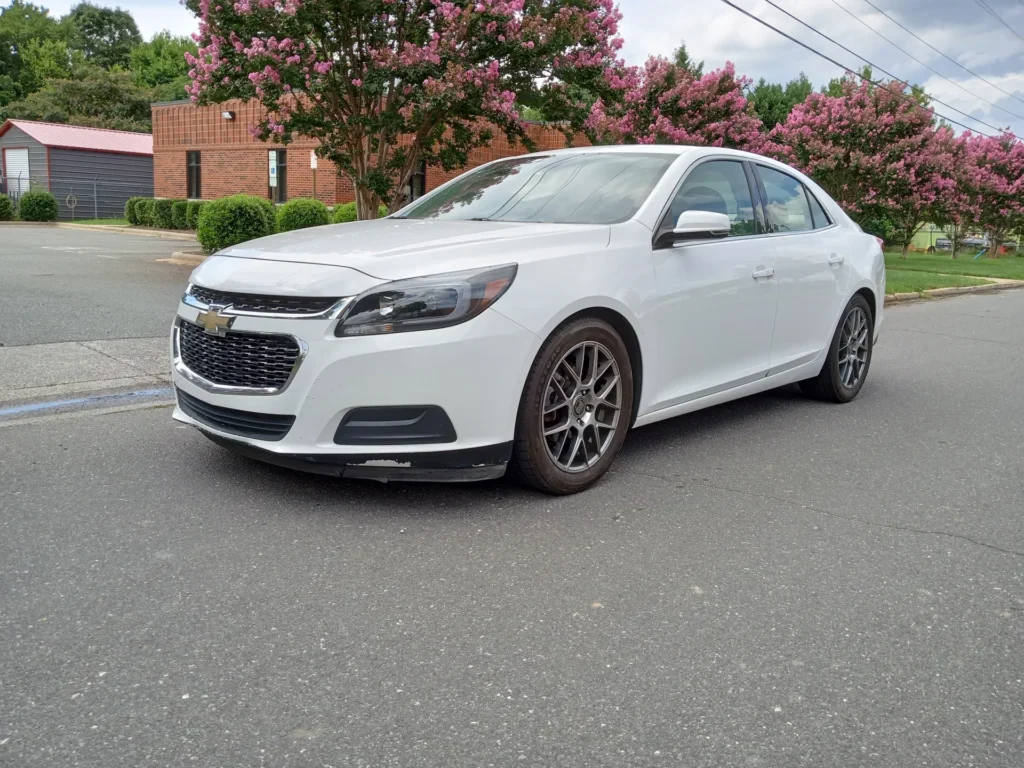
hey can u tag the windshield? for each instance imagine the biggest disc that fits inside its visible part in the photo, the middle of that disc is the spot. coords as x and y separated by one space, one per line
590 188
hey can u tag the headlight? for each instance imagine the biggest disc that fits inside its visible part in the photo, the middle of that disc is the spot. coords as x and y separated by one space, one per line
435 301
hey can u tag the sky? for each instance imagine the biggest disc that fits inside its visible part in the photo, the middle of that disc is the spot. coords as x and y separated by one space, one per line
714 32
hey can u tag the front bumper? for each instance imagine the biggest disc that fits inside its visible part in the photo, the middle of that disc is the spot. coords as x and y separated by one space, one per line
474 371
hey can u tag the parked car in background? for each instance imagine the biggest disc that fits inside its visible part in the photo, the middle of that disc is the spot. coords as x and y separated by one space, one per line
527 314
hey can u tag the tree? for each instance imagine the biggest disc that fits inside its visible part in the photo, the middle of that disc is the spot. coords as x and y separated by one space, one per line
664 103
877 153
385 84
160 64
23 26
93 97
681 58
997 166
105 36
773 101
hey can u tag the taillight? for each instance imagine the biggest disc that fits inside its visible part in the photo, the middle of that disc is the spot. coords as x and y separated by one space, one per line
881 243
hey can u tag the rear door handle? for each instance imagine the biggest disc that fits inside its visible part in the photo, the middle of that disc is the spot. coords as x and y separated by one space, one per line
763 272
836 258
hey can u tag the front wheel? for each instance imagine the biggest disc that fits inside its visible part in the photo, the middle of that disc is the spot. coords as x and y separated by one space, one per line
575 410
849 356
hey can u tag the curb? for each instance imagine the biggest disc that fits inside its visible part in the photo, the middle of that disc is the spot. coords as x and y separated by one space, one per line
895 298
168 234
189 258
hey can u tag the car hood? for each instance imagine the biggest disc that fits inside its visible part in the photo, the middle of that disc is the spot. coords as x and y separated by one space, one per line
392 249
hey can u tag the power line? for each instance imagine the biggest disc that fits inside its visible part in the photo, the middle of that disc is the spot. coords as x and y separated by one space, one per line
997 17
948 58
907 53
845 68
883 71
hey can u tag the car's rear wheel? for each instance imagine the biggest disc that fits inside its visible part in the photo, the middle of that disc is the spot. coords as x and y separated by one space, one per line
576 408
849 356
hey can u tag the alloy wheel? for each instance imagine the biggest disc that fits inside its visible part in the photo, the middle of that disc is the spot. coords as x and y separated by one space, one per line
853 348
582 406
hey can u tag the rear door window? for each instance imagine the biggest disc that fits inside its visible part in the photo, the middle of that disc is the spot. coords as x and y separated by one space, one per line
788 208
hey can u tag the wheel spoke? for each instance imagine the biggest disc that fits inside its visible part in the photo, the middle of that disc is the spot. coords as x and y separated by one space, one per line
555 430
556 406
575 449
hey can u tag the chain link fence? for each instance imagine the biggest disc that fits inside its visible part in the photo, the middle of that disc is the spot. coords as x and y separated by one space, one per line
79 197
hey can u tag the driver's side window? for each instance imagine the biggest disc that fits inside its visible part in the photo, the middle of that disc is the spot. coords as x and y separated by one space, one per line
718 186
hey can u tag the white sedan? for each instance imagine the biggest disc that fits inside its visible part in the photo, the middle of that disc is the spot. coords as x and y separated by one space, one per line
527 314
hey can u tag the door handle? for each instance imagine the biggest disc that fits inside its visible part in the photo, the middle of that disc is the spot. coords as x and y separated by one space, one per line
836 258
763 272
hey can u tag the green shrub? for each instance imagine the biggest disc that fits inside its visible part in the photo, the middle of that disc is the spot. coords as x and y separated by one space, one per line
129 210
6 208
233 220
178 210
37 206
302 213
162 213
346 212
192 213
144 211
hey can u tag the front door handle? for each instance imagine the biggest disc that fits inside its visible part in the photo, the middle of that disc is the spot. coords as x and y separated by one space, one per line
763 272
836 258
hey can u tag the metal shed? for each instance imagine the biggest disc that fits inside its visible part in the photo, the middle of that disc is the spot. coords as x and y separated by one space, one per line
91 171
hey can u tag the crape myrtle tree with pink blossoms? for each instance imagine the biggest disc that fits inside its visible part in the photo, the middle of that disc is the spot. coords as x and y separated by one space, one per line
997 169
878 153
665 103
386 84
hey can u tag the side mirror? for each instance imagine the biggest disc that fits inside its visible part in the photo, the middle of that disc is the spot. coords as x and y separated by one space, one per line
700 225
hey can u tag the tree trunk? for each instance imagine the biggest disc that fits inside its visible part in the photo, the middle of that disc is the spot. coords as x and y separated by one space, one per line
906 248
367 204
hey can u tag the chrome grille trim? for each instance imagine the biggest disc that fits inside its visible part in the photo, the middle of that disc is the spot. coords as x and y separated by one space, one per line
227 389
198 297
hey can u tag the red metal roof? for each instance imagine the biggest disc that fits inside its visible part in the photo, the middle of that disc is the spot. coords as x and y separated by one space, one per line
77 137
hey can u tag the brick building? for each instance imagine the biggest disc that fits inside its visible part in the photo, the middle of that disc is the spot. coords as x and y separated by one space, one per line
207 152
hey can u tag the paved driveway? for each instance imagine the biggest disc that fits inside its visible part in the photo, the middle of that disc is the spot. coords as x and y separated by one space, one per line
773 582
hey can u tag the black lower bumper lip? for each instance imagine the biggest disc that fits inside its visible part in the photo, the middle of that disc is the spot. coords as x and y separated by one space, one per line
465 465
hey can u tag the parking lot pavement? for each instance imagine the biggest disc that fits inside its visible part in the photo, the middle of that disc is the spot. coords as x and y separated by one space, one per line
60 285
773 582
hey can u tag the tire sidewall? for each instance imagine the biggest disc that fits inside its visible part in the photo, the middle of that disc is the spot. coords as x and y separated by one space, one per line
528 427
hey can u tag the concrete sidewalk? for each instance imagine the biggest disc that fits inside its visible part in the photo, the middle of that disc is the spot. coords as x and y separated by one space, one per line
42 371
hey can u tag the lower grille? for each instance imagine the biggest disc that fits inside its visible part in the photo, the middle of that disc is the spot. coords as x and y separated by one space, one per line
248 360
261 426
250 302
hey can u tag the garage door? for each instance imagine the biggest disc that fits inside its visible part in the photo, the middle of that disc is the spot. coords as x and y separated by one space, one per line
16 165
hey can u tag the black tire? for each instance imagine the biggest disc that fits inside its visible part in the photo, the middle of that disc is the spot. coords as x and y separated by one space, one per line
828 384
532 461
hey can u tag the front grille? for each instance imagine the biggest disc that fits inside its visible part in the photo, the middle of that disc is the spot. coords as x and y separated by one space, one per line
238 359
278 305
261 426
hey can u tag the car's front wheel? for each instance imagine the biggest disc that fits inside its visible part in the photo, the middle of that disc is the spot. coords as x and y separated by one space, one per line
576 408
849 356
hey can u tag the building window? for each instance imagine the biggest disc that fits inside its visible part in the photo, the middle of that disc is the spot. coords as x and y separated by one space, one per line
194 183
279 166
418 182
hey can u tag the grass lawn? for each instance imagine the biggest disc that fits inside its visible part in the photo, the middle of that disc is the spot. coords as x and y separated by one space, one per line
1010 267
109 222
910 281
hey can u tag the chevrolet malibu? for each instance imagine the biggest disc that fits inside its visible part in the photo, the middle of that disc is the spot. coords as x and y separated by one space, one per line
527 314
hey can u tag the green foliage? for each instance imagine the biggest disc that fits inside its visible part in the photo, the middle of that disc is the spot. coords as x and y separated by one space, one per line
6 208
105 36
346 212
129 210
179 212
192 213
162 213
37 206
773 102
144 211
93 97
302 213
233 220
682 59
25 29
160 65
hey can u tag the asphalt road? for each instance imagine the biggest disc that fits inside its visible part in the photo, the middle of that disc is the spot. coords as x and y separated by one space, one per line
75 285
773 582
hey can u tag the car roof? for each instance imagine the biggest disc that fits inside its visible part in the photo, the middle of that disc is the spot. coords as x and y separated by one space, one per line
663 149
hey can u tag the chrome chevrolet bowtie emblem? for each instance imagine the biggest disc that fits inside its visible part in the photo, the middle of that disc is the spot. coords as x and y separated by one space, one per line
213 321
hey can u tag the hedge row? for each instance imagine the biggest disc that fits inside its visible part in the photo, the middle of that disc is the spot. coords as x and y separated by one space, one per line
32 206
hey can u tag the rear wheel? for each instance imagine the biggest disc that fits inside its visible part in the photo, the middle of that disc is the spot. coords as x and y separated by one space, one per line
849 356
576 408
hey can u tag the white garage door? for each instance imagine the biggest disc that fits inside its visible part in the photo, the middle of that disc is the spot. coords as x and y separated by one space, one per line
16 165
